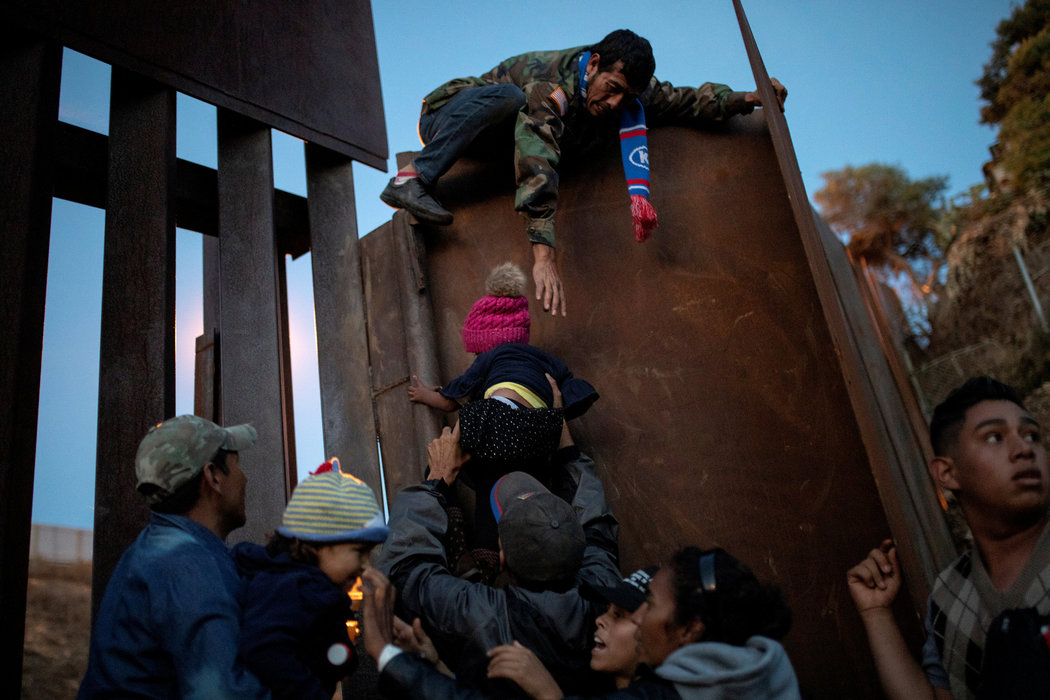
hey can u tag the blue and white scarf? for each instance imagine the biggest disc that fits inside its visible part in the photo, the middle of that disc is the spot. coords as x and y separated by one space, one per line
634 152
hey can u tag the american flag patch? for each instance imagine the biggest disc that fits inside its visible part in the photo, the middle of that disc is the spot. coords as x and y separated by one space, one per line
563 102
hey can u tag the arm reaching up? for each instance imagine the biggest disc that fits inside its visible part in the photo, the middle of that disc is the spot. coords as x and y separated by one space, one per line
445 457
429 396
515 662
874 584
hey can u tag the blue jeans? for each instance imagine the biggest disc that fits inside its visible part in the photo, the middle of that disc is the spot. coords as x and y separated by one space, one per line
473 116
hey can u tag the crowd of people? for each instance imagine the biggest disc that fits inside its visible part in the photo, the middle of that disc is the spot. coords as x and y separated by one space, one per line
526 597
185 616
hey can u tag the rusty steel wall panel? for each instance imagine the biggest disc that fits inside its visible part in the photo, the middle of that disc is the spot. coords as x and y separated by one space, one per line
894 453
30 74
308 68
908 493
137 341
724 418
418 322
399 443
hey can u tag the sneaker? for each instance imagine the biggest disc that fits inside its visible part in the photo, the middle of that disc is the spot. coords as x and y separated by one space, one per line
413 197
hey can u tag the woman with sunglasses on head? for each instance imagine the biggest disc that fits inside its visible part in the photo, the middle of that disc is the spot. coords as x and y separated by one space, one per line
707 629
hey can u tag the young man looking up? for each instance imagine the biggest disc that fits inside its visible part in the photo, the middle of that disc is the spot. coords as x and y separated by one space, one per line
989 455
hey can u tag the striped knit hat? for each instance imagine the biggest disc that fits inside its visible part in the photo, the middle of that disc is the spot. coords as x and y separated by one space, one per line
502 316
330 506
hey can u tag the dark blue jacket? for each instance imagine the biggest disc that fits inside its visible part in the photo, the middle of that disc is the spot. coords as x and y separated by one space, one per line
524 364
167 626
293 629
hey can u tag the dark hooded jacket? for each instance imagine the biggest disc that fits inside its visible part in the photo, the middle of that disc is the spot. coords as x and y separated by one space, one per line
294 636
466 619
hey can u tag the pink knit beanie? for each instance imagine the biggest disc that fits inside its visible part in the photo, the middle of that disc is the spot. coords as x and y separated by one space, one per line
502 316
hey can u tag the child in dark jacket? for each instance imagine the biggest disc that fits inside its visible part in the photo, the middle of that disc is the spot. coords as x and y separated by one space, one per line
294 592
509 421
506 367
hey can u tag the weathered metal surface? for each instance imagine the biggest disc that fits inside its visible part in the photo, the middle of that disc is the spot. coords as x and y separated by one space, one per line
80 176
724 417
308 68
894 453
401 448
284 342
250 317
205 384
137 345
207 401
420 353
347 416
30 71
908 494
877 296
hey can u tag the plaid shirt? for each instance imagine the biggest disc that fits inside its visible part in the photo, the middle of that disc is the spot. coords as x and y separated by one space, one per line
963 604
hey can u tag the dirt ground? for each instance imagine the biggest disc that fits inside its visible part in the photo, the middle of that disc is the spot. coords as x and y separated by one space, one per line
58 622
58 631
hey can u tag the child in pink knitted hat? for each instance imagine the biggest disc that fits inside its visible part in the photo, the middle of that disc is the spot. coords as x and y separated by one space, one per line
508 421
506 367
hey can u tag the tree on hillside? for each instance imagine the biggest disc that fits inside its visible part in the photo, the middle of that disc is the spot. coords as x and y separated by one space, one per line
888 219
1016 89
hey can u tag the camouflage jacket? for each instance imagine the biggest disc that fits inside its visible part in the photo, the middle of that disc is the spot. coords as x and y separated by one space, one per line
555 126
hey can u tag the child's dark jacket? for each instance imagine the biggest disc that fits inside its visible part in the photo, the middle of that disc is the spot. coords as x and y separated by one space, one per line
524 364
293 628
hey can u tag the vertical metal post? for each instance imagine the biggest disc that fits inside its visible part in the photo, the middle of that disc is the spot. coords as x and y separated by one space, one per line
251 329
137 343
1031 289
30 74
347 412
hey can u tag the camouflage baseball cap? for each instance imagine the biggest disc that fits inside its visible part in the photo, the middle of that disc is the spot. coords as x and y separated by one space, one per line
175 451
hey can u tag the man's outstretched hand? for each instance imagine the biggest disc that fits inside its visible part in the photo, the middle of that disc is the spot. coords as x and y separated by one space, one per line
545 276
779 90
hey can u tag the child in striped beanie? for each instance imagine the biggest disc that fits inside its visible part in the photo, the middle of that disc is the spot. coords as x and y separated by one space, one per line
294 592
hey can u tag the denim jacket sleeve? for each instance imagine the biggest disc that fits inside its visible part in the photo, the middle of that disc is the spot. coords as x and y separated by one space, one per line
201 629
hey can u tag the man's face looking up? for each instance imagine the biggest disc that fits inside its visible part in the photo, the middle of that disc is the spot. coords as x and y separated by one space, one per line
607 91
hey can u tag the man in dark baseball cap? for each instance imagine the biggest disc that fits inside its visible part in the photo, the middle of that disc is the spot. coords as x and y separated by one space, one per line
550 547
541 541
169 620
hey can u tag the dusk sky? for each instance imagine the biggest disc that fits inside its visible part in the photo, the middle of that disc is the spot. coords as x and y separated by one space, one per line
889 82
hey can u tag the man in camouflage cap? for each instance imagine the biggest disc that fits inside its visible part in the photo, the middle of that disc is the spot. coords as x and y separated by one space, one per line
557 106
169 620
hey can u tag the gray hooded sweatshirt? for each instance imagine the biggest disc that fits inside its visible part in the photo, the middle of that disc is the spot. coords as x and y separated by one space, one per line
710 670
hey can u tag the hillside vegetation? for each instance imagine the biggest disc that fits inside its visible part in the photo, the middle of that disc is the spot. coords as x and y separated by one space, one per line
973 272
